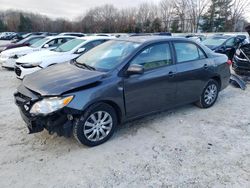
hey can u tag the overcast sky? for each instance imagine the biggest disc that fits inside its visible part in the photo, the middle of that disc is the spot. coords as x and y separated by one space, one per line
64 8
69 9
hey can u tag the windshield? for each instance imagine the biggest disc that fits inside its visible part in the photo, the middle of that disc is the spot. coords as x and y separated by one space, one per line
39 43
23 41
214 41
69 45
107 55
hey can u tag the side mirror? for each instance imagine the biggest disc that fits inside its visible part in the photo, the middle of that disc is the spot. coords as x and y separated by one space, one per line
46 46
80 50
135 69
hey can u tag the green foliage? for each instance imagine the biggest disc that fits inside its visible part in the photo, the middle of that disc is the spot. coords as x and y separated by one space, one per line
216 19
156 25
25 24
175 26
2 26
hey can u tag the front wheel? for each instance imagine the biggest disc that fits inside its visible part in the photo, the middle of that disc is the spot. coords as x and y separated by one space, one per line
209 95
96 125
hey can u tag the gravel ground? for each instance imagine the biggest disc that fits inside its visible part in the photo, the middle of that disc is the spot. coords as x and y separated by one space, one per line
184 147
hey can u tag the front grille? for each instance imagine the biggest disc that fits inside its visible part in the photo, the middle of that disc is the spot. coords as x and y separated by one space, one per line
18 71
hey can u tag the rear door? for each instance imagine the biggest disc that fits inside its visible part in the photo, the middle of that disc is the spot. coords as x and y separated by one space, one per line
193 71
156 88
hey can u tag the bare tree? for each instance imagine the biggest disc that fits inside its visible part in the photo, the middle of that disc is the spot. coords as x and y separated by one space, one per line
195 10
238 10
167 13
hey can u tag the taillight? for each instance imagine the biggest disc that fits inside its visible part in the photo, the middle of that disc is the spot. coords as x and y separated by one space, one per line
229 62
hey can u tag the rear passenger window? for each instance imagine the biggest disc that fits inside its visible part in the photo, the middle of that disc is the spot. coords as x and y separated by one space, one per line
188 52
154 56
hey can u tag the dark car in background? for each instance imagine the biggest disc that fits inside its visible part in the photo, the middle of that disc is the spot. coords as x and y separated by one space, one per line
241 60
223 44
25 42
118 81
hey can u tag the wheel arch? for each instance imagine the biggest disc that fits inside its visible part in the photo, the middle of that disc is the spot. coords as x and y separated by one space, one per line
113 104
218 80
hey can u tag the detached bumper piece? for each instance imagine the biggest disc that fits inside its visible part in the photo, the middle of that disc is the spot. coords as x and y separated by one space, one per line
237 81
54 123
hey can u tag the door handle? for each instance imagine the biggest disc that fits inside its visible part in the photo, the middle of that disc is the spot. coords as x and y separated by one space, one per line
205 66
171 74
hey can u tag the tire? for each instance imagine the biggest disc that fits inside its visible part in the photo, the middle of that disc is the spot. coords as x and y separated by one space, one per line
96 125
209 95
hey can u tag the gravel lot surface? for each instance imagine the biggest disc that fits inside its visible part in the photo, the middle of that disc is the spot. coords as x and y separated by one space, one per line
184 147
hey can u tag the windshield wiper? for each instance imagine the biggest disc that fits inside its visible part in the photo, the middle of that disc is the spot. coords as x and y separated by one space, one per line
84 65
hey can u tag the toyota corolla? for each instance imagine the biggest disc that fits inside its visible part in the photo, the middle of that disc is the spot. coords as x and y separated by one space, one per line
118 81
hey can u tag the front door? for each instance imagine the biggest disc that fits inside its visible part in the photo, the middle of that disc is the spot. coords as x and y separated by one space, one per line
155 89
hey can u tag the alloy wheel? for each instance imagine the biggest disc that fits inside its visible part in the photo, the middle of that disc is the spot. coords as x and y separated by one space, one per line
210 94
98 126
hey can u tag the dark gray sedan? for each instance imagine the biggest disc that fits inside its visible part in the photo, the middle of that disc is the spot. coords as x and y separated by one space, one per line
120 80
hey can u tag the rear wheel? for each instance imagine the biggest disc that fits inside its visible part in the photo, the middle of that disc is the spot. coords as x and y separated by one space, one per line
209 95
96 125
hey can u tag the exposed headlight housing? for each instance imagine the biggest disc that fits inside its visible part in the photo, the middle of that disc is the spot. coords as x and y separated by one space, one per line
237 52
49 105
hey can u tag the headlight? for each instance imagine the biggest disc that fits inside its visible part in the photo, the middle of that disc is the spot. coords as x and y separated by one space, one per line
28 65
49 105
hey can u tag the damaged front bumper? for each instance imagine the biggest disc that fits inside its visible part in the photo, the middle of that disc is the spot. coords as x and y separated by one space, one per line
60 122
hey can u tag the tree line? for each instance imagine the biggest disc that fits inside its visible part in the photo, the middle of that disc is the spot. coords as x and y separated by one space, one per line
167 15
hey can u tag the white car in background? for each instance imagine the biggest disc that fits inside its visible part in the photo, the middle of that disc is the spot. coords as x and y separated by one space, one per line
8 57
70 50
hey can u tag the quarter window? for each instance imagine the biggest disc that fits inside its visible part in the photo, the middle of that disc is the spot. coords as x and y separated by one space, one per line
188 52
154 56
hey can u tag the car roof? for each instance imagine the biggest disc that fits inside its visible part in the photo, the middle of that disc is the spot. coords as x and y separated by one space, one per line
146 39
95 37
221 36
59 36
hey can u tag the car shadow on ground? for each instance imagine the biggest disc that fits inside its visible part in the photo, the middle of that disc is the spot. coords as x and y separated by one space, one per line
123 130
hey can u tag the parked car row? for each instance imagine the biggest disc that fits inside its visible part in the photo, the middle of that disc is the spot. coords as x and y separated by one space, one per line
86 86
8 57
68 51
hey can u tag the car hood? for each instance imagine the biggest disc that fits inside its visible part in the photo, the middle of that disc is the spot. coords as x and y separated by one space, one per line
18 51
38 56
58 79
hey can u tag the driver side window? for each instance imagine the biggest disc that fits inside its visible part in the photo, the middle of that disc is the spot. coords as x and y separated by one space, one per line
154 56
